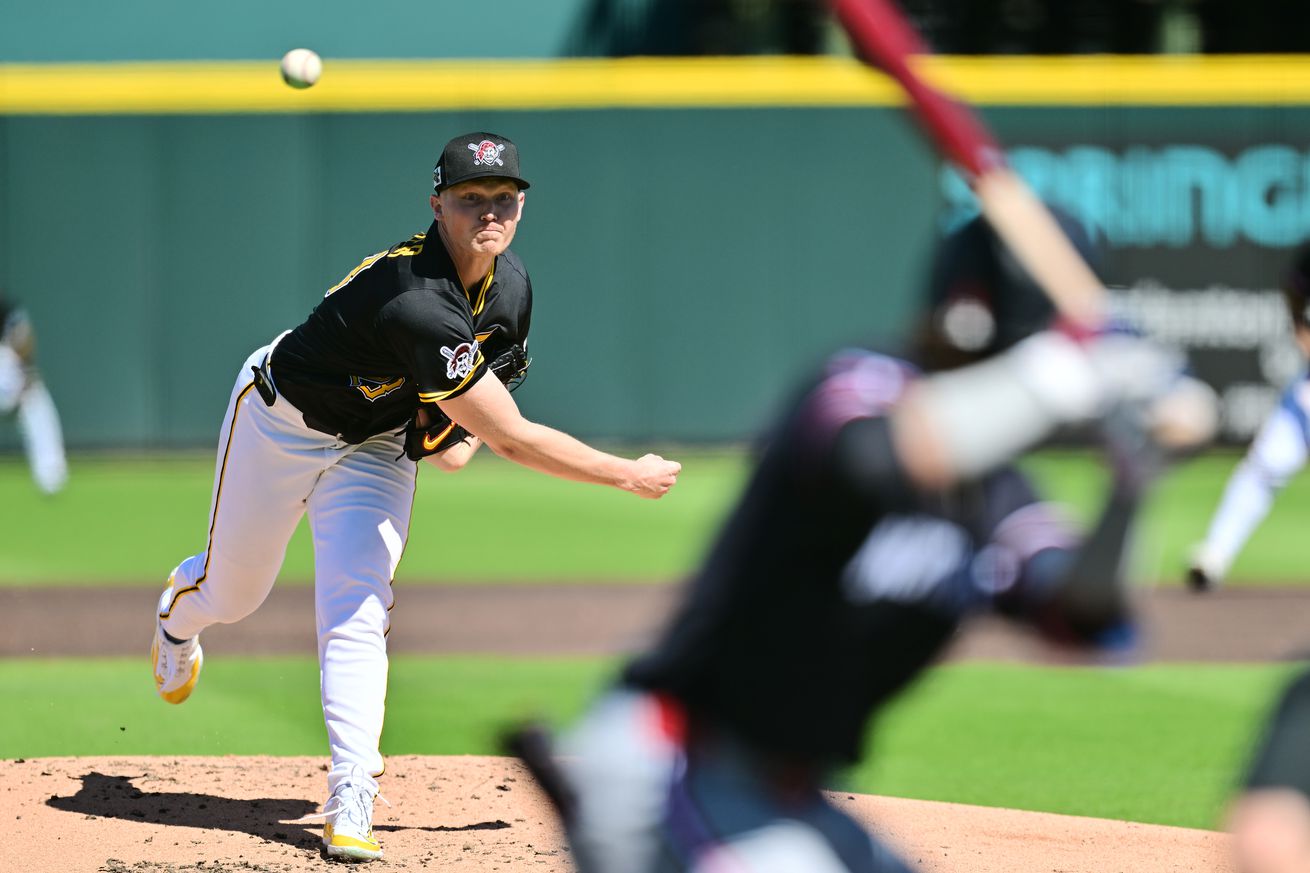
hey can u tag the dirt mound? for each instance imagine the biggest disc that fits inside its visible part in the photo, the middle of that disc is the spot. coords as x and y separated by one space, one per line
233 814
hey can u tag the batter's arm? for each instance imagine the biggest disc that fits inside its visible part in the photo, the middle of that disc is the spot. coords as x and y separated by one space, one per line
488 411
962 423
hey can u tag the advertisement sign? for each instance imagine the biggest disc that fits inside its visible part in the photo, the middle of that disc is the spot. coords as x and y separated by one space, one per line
1196 238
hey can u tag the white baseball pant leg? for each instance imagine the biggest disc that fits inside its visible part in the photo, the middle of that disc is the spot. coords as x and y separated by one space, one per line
359 513
1276 455
270 469
43 438
12 379
38 421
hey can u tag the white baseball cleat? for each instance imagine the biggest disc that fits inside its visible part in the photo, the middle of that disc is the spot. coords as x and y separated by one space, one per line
348 821
177 665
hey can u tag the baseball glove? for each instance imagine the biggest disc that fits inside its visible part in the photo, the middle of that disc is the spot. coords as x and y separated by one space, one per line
430 431
511 366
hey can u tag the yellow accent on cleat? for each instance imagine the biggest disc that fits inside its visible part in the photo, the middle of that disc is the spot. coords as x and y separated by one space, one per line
177 695
344 846
176 666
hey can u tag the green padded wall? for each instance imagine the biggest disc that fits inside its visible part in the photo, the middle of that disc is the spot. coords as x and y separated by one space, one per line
142 30
688 264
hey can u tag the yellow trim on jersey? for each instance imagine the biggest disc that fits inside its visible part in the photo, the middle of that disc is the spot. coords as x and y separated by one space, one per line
434 396
482 292
454 85
409 248
218 496
364 265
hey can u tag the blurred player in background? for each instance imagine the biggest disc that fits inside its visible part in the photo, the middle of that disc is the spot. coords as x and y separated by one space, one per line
407 358
23 392
884 511
1270 821
1277 453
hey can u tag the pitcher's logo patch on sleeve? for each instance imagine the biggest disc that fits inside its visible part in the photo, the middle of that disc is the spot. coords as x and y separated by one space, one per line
460 360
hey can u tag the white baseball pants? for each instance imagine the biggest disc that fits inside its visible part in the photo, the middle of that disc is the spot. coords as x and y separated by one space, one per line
271 469
1275 456
43 437
38 421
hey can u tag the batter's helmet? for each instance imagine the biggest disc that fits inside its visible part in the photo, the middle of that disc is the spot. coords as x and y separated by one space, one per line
981 300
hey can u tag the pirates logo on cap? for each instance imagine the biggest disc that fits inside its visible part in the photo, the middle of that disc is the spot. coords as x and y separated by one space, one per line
486 153
477 155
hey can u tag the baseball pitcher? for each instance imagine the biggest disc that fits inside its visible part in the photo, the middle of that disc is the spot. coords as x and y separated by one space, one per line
409 357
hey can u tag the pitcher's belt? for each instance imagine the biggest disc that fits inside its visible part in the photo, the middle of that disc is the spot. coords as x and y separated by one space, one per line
268 393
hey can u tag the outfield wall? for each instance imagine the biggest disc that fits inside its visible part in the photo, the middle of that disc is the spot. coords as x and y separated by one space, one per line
698 231
137 30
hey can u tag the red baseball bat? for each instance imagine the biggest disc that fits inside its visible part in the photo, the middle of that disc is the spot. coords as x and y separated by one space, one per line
887 41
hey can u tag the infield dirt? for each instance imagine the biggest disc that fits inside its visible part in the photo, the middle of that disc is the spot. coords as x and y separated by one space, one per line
1238 624
234 815
231 815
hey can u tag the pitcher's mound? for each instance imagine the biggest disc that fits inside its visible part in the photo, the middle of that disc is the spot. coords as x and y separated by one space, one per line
231 814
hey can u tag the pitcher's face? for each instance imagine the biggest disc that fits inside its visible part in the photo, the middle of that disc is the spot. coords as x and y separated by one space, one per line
479 216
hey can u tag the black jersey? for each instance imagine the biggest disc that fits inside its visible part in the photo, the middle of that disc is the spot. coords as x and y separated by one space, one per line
834 581
400 329
1283 759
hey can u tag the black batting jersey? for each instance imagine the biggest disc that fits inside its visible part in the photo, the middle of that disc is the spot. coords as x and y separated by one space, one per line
835 581
400 329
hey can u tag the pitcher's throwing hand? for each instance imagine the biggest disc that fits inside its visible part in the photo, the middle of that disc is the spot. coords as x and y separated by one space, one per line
653 476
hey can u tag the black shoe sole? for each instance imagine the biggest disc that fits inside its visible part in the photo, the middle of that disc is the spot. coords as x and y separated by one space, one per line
1198 581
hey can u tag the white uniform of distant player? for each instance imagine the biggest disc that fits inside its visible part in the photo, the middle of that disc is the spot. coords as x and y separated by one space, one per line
23 392
1278 452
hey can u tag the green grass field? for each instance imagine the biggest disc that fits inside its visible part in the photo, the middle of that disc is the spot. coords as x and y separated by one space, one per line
131 520
1161 743
1158 744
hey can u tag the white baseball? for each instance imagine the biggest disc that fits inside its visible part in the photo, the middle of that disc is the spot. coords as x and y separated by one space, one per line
301 67
1187 417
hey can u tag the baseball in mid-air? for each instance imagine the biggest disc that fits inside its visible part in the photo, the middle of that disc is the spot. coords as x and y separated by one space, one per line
301 67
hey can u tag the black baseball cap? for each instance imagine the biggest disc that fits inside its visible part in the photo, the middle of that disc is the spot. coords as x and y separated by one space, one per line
477 155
